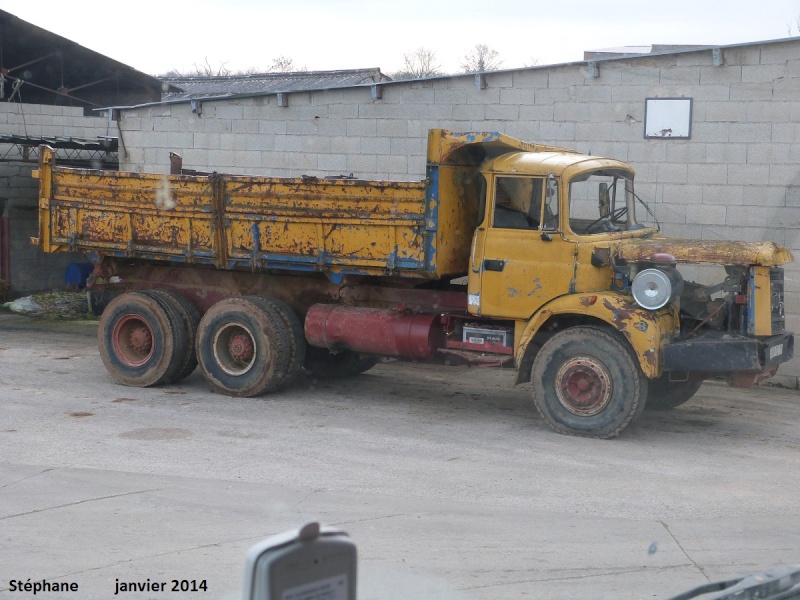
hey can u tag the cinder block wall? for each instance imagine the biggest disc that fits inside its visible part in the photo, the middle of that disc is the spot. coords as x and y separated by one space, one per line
32 270
737 178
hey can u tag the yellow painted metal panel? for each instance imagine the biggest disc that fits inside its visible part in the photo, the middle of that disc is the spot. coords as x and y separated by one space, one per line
135 214
367 226
459 195
360 226
646 331
762 295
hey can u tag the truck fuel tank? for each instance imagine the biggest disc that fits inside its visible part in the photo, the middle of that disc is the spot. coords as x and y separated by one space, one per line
374 331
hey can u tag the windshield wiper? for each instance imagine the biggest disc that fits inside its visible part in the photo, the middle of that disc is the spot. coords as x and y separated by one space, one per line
778 583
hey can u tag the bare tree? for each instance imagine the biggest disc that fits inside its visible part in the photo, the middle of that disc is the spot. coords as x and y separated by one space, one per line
282 64
206 70
418 64
481 58
532 62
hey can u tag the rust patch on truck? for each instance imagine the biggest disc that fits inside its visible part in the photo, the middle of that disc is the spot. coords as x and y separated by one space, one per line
705 251
622 314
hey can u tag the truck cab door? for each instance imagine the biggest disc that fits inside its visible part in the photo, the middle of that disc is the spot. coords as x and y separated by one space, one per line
519 259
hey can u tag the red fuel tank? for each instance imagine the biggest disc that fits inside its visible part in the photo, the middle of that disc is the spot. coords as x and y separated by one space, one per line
374 331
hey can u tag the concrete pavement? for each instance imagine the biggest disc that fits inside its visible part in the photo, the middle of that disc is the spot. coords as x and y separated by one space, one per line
446 479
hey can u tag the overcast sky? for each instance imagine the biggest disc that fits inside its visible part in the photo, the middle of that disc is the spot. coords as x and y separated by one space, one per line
158 36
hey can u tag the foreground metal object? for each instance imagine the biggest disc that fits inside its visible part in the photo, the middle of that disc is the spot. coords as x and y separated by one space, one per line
778 583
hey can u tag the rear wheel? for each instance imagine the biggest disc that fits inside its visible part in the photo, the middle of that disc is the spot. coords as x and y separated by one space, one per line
243 347
296 338
586 381
186 327
663 394
136 341
326 364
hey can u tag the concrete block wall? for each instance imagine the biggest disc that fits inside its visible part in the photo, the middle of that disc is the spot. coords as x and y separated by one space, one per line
737 178
45 120
31 269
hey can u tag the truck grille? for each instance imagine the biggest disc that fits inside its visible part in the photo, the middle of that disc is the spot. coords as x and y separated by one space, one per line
776 295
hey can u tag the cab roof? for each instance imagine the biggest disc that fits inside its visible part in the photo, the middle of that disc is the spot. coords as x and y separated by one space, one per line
544 163
494 151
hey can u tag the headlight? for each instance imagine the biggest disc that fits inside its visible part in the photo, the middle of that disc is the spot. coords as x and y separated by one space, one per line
654 288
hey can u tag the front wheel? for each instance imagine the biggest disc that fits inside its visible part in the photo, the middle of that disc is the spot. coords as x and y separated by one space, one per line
586 381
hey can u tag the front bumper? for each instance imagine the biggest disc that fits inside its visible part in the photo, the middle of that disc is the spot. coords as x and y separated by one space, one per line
718 352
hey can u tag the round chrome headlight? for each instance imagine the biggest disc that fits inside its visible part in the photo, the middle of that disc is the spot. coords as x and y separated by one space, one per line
654 288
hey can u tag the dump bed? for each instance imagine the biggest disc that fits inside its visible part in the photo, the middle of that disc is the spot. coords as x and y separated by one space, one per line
410 229
232 222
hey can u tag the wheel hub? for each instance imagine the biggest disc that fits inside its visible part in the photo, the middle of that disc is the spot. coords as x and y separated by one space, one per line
234 349
241 348
132 340
141 340
584 386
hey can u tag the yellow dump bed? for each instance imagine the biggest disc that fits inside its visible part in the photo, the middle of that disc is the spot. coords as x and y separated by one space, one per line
419 229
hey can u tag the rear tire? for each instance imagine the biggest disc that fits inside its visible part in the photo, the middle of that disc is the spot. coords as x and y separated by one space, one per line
243 347
135 339
296 338
663 394
189 319
586 382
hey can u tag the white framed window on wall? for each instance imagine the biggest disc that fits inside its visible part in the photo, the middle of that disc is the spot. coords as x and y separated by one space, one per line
668 118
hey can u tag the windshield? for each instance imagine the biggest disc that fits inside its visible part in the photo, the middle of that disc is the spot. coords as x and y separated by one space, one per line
603 201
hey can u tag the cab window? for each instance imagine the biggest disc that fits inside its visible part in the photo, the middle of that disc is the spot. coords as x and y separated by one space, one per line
602 201
518 202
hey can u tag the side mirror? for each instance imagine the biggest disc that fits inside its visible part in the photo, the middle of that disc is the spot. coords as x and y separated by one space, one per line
551 204
603 201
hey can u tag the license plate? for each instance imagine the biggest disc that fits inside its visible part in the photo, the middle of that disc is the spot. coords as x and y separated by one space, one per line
776 351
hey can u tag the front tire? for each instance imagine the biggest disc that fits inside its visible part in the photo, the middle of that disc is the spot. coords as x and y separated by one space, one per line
586 382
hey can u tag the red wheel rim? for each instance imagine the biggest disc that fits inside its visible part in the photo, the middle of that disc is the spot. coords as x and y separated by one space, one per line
583 386
234 348
132 340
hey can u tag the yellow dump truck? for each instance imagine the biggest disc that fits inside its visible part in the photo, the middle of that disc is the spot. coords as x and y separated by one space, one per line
508 253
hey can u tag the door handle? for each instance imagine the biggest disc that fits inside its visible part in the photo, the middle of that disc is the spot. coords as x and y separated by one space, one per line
493 265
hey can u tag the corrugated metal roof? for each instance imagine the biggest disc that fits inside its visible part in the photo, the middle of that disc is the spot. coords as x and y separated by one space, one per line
196 88
655 48
50 69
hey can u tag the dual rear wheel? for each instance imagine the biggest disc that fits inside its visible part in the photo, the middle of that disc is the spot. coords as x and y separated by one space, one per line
147 338
249 346
244 346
